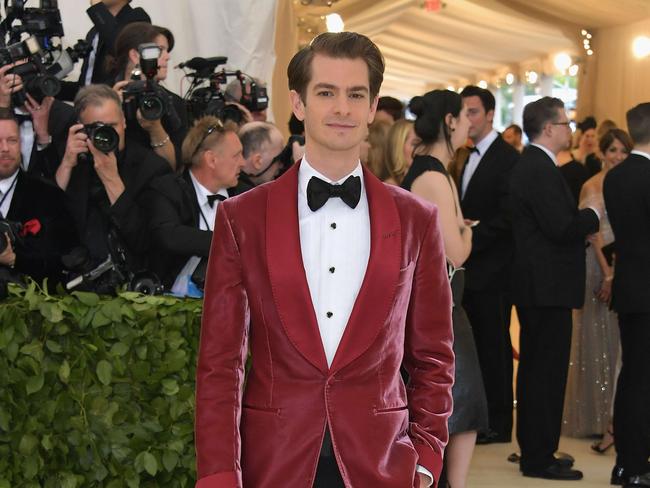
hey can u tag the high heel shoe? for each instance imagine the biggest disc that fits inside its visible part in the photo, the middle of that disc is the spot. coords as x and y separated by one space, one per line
602 448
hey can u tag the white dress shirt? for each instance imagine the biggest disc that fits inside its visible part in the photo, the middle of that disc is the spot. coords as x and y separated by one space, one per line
335 245
207 213
475 157
91 60
27 138
7 185
640 153
548 152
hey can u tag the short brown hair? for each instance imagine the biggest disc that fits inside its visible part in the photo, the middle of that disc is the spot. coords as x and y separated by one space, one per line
347 45
638 123
539 113
612 135
94 95
130 37
205 134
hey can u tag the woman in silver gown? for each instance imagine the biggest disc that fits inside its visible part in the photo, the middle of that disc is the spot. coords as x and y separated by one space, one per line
595 341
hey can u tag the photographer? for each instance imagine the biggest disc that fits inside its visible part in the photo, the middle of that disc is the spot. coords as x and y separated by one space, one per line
35 226
105 190
262 144
183 207
109 17
43 126
164 135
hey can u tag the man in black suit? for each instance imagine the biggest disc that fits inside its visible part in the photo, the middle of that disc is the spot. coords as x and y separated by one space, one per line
182 208
262 143
548 281
108 17
39 207
43 126
484 185
627 198
105 192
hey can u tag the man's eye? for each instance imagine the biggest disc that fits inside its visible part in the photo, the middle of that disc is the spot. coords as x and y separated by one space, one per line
358 96
325 93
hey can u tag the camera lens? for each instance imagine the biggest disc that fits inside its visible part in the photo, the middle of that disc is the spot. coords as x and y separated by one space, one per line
152 107
49 85
105 138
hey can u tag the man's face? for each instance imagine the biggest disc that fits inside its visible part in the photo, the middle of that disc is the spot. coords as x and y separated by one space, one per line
227 160
512 137
337 107
561 131
480 121
9 148
108 113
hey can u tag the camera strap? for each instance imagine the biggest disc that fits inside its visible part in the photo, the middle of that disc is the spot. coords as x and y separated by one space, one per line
204 219
11 187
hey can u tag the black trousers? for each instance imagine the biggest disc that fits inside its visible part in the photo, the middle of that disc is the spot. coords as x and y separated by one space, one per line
545 345
327 471
491 327
632 403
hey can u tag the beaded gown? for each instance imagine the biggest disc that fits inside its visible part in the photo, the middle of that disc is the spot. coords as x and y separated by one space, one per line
594 352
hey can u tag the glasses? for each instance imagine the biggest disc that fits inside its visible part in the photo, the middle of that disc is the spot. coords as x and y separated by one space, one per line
567 124
216 126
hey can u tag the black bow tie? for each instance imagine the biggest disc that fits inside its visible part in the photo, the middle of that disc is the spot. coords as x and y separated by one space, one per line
474 149
22 118
212 198
319 191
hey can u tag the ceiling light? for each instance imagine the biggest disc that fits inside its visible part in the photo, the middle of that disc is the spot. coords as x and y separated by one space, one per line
573 70
641 47
510 79
590 52
482 84
334 23
531 77
562 61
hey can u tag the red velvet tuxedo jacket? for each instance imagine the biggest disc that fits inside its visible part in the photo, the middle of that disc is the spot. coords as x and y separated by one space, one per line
268 432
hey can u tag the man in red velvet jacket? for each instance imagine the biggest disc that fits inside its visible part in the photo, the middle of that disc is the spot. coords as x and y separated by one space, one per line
333 280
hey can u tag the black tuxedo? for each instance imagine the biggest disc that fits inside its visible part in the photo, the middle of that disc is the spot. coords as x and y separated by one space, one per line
39 256
627 196
108 28
95 217
45 163
487 274
174 222
548 280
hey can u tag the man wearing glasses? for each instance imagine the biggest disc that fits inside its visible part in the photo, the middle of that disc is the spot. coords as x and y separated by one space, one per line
183 208
548 281
262 143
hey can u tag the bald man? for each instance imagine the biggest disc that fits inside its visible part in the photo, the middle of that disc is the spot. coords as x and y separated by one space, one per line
262 142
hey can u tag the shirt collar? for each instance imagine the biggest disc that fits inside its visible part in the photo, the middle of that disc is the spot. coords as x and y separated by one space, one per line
484 144
640 153
547 151
202 192
306 171
7 182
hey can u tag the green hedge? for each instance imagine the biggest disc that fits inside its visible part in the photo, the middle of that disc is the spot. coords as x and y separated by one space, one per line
97 391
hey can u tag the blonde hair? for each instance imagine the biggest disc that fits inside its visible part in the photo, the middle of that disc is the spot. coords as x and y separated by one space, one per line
377 134
205 134
395 164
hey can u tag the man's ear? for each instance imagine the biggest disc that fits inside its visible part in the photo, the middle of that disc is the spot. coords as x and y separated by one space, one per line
134 56
297 105
373 110
257 161
490 116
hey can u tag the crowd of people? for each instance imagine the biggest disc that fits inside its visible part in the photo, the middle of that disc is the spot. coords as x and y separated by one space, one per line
558 228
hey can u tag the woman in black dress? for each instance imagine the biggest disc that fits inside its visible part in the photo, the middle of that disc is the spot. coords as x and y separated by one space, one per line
442 127
165 135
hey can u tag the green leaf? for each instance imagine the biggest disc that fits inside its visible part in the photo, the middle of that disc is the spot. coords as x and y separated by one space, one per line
170 387
170 460
119 349
4 483
5 418
104 372
34 383
100 320
150 463
51 311
89 299
53 346
64 371
46 442
68 480
33 349
27 444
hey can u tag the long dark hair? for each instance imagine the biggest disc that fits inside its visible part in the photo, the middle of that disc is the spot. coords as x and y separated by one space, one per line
129 38
431 110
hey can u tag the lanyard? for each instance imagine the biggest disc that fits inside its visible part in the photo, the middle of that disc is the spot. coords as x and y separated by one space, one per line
205 220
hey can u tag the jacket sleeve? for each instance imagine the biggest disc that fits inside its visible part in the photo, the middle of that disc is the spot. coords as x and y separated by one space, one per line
220 370
428 354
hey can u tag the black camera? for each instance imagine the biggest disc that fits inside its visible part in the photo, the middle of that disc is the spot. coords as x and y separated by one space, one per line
103 136
253 96
145 95
10 230
36 81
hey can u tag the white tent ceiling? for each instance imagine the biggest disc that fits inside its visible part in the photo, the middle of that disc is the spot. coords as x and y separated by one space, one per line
468 40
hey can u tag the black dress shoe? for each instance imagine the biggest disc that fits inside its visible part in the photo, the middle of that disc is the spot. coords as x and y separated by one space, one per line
555 471
638 481
618 475
562 458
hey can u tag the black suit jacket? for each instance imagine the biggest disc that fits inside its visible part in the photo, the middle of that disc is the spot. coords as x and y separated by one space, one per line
45 163
39 256
108 28
627 197
550 232
138 167
486 199
174 222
